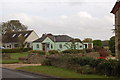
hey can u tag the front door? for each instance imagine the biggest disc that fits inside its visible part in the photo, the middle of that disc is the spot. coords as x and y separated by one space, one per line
45 47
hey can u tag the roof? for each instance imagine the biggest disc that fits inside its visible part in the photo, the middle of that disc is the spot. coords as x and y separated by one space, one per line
13 36
55 38
116 7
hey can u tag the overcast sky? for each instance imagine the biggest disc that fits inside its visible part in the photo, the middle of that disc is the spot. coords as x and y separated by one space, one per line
76 18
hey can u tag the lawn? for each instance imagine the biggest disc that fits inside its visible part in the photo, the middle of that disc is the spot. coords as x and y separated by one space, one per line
14 58
58 72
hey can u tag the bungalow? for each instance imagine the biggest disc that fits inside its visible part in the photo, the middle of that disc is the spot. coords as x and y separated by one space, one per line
13 39
56 42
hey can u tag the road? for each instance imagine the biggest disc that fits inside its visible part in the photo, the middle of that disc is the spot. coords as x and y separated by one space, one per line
16 75
8 73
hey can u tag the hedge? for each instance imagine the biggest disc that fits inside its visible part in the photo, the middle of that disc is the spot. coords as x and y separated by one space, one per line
85 65
38 51
15 50
53 52
72 51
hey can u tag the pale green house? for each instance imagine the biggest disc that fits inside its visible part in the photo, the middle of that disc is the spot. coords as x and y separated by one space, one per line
54 42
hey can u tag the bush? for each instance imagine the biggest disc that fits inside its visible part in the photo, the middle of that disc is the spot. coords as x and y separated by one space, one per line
15 50
86 70
53 52
81 60
26 49
46 62
72 51
38 51
113 54
109 68
89 50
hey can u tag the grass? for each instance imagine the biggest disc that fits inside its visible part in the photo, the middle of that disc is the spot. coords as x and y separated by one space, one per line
58 72
14 58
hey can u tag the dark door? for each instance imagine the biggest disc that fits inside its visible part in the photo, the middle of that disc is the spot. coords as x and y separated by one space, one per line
44 47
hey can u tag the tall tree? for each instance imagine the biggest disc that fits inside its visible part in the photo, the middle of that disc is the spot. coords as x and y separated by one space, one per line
97 43
12 25
87 40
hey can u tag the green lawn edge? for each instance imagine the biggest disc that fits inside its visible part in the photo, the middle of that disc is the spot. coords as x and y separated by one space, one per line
58 72
14 58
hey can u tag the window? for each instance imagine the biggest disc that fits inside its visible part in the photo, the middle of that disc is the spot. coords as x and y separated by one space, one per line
10 46
51 46
28 45
13 35
26 34
85 45
15 45
19 35
37 45
80 46
60 46
47 45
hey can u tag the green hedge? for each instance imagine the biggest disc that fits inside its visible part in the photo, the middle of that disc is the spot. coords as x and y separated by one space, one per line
15 50
53 52
85 65
109 68
38 51
72 51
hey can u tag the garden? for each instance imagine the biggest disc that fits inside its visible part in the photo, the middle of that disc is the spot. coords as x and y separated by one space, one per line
89 64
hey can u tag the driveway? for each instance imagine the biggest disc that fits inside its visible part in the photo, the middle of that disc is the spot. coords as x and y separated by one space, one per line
14 66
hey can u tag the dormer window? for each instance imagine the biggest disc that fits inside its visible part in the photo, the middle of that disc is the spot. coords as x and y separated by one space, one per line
19 35
26 34
14 35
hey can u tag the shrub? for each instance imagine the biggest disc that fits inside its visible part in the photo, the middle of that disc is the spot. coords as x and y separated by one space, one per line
72 51
86 70
38 51
11 50
53 52
46 62
81 60
113 54
89 50
109 68
26 49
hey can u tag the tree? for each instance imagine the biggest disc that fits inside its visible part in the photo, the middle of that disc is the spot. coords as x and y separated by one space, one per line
73 43
21 42
112 44
12 25
87 40
97 43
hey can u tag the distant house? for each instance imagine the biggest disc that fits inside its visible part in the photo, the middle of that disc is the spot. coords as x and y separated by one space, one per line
105 44
55 42
12 39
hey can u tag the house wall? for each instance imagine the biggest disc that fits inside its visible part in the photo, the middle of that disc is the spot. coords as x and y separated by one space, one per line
117 33
55 45
9 45
35 46
33 36
50 42
89 45
47 40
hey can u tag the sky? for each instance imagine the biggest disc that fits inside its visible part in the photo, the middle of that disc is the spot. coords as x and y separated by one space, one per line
76 18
